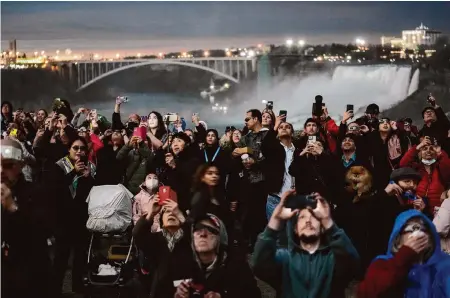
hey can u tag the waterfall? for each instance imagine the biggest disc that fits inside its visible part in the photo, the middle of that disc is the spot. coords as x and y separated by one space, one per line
414 85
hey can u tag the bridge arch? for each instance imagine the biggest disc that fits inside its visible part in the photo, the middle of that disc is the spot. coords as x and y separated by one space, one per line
157 61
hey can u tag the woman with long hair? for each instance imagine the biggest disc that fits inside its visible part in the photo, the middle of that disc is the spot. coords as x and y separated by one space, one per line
69 183
208 195
41 115
157 132
268 119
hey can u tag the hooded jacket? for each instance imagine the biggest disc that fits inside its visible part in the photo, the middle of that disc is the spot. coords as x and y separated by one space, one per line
399 276
324 273
226 276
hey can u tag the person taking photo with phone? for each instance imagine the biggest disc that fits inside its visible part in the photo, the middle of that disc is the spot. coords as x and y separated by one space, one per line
69 183
320 261
436 123
433 165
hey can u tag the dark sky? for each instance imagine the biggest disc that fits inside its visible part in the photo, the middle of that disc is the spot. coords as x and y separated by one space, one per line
150 27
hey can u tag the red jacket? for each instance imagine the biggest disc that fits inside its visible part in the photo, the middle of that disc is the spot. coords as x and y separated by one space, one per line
431 186
97 144
386 278
332 132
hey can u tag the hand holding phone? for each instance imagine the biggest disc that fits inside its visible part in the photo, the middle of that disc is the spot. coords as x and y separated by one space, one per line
431 100
164 194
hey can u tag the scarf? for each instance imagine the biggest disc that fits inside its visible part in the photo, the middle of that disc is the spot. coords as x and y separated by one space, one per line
172 239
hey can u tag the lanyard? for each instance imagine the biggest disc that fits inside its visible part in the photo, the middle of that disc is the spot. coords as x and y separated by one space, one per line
214 157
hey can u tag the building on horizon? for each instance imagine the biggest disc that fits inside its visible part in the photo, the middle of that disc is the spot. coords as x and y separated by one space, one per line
411 39
391 41
422 35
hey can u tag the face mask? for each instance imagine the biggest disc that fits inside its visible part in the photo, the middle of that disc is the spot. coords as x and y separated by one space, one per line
428 162
151 184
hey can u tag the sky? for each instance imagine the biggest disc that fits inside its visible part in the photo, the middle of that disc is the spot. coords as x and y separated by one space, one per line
129 28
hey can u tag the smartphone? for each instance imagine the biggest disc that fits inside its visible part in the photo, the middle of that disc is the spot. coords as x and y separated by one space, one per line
140 132
164 194
283 113
350 108
84 159
144 118
312 139
269 105
300 202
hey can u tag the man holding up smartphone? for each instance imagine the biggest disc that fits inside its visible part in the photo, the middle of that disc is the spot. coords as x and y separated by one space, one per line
436 123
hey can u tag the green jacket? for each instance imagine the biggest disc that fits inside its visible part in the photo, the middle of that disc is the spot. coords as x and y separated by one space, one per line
325 273
137 161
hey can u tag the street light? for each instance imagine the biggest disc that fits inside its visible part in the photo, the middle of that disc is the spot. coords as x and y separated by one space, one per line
57 52
35 54
206 53
301 43
289 42
43 52
117 55
139 55
160 55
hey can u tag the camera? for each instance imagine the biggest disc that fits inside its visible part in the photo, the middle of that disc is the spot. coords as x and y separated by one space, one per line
170 117
121 99
300 202
317 108
269 105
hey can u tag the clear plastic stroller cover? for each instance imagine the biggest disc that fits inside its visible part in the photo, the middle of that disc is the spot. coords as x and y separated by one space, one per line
109 208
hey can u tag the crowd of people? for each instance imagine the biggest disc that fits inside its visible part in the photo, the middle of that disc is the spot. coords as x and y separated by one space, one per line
363 202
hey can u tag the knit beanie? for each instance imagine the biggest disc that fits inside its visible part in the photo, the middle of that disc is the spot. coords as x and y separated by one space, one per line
309 120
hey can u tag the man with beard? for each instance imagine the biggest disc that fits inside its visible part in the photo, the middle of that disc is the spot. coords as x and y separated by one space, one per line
25 229
433 165
414 265
320 260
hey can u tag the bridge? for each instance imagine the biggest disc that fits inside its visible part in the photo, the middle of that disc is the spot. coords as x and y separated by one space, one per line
85 73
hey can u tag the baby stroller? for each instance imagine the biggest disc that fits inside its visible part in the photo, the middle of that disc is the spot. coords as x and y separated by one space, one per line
111 249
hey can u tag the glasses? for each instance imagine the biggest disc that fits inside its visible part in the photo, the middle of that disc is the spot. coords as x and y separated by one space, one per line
384 121
82 148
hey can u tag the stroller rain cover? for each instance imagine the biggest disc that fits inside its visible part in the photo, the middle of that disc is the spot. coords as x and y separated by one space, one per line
109 208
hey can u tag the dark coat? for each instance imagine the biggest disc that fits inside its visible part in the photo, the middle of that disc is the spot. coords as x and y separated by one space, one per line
25 257
231 278
70 213
48 153
439 129
165 266
367 223
320 174
110 170
273 165
180 179
201 205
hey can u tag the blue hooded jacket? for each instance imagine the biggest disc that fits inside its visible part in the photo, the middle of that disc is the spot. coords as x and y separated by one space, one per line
432 278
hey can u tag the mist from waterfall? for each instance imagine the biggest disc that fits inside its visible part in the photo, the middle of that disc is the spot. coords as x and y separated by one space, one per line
384 85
